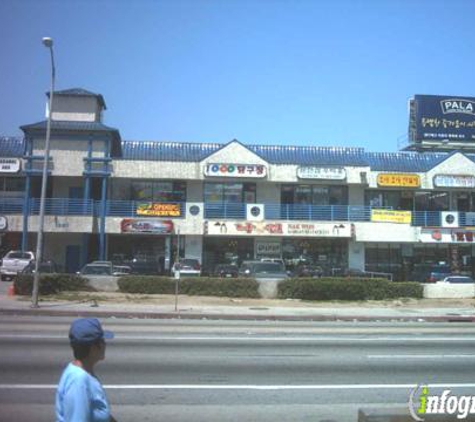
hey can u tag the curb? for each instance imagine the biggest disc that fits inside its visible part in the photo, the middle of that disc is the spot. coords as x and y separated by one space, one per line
245 317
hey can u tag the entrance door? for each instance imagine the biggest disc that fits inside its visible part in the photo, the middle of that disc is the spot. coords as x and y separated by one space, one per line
73 258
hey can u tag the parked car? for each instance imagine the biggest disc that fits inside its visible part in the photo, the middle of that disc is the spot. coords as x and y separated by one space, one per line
45 267
457 279
14 262
308 270
104 268
188 267
226 270
246 267
434 273
119 270
96 269
264 270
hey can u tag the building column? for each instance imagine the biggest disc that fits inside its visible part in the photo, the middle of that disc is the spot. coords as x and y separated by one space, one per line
356 255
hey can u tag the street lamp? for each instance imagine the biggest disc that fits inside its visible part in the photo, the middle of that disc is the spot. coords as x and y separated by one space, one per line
48 43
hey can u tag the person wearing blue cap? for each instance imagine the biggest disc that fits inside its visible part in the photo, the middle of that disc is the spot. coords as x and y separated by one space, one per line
80 396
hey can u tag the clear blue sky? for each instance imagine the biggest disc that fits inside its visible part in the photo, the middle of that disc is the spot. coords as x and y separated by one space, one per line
301 72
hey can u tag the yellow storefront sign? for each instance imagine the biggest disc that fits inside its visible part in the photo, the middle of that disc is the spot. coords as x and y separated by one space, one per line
399 180
159 210
388 216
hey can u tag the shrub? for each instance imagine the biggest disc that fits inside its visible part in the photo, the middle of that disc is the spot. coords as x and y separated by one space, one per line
347 289
50 283
407 289
146 284
205 286
227 287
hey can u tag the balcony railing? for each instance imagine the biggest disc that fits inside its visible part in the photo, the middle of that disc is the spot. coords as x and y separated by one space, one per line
123 208
317 212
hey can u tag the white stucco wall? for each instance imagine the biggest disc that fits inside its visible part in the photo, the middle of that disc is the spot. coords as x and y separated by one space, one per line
385 232
63 224
67 155
449 291
457 164
74 108
136 169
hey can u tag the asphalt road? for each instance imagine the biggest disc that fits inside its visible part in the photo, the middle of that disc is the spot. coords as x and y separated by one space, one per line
158 370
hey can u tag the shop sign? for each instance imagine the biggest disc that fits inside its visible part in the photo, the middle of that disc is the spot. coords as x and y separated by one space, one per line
266 228
235 170
447 236
454 181
399 180
3 223
268 249
9 165
131 225
324 173
389 216
319 230
440 118
154 209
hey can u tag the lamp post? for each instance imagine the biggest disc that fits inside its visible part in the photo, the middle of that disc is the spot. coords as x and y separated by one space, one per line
48 43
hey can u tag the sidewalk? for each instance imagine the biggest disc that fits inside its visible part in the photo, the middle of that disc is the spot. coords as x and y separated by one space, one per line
199 307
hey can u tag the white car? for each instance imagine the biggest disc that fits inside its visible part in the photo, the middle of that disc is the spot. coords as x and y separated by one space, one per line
14 262
187 267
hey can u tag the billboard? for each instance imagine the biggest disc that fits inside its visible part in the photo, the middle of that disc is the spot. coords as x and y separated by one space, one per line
439 118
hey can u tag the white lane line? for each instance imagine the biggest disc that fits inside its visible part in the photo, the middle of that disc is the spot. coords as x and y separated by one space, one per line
256 339
242 387
420 356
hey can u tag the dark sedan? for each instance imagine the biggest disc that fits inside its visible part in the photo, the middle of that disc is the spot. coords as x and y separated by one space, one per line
226 271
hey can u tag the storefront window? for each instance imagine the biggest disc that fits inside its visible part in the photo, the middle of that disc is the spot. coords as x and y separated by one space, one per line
314 195
432 201
12 186
398 200
330 254
385 258
235 193
148 190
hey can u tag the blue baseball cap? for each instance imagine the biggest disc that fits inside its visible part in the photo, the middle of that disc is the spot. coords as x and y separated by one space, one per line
88 330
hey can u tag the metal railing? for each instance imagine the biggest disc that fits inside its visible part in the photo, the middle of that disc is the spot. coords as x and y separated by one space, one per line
317 212
236 211
224 210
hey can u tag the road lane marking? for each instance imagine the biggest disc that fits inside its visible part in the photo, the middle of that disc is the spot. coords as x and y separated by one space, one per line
253 338
420 356
242 387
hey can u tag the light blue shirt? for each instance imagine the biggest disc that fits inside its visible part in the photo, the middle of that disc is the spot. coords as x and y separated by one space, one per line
80 397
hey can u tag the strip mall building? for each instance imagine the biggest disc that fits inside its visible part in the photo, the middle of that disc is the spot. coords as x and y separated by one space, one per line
137 201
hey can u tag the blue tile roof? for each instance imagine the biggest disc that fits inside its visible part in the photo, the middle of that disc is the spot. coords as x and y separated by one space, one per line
310 155
192 152
12 146
195 152
167 151
79 92
70 126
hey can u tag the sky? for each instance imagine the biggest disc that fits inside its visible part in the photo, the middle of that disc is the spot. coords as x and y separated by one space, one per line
268 72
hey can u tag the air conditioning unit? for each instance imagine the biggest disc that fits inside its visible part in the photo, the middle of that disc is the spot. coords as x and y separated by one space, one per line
194 210
450 219
254 212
